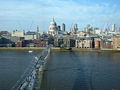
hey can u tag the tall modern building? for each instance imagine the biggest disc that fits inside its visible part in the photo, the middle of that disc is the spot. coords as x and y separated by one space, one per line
53 28
38 32
37 28
63 27
113 28
75 28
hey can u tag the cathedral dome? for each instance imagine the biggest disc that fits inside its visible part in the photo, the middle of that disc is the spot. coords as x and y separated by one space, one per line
53 23
53 27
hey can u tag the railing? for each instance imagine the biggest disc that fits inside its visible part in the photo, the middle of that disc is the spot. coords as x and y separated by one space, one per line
31 78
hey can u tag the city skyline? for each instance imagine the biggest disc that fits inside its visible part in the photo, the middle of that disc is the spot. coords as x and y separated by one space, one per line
27 14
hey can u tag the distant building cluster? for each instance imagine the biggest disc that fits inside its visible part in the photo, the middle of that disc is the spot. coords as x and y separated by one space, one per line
87 37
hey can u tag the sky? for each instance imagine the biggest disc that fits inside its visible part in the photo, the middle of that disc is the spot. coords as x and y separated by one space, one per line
27 14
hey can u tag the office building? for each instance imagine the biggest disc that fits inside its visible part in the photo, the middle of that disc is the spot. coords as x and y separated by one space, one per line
63 27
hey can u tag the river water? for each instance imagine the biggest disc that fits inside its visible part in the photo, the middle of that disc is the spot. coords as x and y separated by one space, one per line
13 64
82 71
65 70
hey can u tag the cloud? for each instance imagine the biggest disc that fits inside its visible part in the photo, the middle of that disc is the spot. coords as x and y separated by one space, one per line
68 11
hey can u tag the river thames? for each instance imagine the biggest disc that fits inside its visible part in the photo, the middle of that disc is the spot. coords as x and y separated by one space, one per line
82 71
65 70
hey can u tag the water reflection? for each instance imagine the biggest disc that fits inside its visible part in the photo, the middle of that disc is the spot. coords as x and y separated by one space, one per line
82 71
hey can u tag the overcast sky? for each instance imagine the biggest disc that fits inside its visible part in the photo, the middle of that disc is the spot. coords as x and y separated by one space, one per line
27 14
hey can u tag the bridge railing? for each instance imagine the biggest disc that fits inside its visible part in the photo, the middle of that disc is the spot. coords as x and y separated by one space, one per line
31 76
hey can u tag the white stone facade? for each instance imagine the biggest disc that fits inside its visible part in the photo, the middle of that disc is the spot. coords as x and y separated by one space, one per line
30 37
83 43
53 29
18 33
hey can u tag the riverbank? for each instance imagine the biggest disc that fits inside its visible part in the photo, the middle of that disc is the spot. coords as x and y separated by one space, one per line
22 48
59 49
85 50
94 50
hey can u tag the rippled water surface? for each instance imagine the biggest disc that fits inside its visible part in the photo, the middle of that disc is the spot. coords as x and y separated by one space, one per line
12 65
82 71
65 70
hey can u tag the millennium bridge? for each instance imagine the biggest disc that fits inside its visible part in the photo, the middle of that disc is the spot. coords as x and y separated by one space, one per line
32 77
